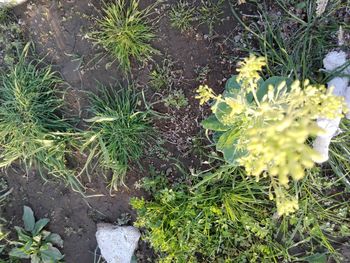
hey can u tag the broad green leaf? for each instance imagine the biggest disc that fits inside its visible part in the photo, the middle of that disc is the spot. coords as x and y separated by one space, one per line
2 247
34 259
18 253
28 219
222 111
227 145
39 225
213 124
22 235
317 258
274 81
28 245
232 85
55 239
50 254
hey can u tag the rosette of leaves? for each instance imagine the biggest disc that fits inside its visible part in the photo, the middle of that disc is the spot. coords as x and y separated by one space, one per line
226 133
34 242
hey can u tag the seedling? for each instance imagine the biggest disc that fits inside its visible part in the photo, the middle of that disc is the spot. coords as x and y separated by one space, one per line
34 242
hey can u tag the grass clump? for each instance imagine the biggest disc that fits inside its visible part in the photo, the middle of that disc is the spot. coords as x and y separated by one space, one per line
182 15
119 131
339 154
31 129
125 32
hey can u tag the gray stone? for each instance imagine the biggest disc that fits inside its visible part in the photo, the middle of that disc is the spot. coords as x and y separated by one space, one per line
117 243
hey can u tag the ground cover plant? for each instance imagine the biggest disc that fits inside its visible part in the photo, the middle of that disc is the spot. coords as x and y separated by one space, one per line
125 32
227 217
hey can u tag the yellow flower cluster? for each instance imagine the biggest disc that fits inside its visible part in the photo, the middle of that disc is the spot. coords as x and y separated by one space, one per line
249 72
276 128
276 137
286 206
204 94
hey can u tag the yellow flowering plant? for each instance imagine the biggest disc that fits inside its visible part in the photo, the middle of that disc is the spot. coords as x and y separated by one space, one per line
265 125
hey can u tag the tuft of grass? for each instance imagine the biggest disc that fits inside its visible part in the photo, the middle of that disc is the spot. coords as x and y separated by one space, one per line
119 132
125 32
182 15
31 129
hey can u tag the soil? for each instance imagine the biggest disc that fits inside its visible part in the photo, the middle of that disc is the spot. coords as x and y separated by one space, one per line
59 31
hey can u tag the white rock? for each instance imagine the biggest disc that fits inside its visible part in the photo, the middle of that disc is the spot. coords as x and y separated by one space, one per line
117 243
11 3
340 88
334 60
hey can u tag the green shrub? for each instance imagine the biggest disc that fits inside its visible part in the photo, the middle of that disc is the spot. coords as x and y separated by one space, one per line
34 243
215 223
228 217
32 130
119 132
125 32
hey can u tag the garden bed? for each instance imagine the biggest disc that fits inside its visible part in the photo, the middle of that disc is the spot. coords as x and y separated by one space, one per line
60 31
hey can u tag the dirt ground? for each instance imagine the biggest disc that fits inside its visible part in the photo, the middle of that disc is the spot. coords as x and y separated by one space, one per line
59 31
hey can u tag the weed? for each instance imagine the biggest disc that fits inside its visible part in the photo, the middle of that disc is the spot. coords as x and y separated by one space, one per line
210 13
34 243
119 131
182 15
202 74
162 76
10 39
176 99
31 129
125 32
